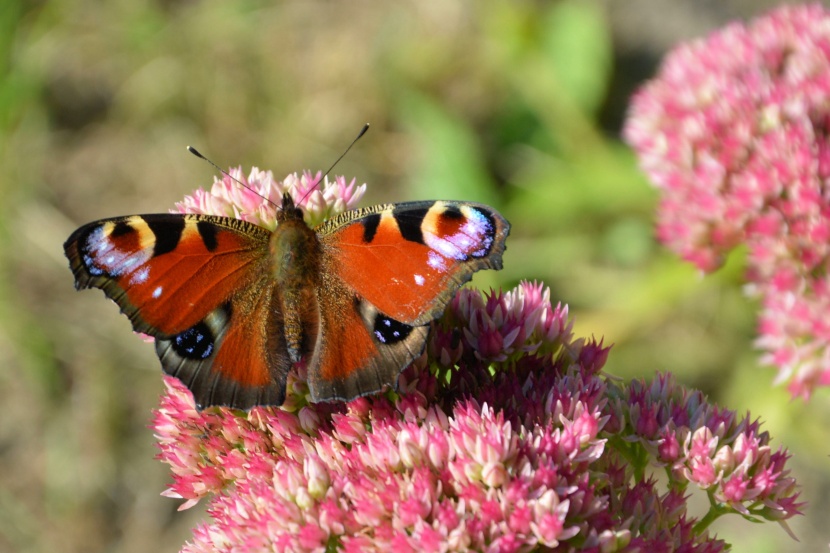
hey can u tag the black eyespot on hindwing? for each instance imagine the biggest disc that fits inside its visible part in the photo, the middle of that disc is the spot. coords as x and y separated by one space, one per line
197 342
390 331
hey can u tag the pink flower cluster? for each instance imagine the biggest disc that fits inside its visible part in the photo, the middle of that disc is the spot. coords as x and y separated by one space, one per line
709 447
504 436
261 195
502 325
734 131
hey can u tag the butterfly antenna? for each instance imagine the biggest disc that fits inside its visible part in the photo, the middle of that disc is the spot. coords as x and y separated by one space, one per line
346 151
196 153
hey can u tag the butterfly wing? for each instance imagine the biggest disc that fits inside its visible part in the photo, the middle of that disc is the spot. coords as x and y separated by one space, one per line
202 287
360 350
196 283
393 269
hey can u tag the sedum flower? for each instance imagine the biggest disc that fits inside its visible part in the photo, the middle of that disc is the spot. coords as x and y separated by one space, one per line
504 436
708 447
733 132
257 201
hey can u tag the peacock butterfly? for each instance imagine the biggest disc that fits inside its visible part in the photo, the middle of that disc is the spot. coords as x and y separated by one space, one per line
233 306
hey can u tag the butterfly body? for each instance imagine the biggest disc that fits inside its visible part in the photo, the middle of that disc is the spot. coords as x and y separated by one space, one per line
233 306
295 267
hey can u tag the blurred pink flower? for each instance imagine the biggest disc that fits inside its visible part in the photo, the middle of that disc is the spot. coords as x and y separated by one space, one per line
734 133
504 436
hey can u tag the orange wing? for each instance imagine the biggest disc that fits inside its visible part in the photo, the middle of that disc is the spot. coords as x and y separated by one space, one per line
409 259
388 271
359 350
198 285
167 271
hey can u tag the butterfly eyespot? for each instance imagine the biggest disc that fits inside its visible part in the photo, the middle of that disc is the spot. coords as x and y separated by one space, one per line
482 223
390 331
194 343
92 269
452 212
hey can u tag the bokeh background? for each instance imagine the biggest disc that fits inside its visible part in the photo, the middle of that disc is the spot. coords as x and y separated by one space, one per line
515 103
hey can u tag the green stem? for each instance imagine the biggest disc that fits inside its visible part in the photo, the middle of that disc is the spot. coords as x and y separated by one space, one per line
714 513
634 456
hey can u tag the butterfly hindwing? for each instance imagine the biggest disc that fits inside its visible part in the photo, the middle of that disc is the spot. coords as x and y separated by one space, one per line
195 283
236 356
360 350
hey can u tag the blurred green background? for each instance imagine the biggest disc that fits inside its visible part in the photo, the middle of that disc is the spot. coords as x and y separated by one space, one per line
514 103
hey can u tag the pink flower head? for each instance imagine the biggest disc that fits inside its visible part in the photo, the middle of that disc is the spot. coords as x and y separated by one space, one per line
505 324
734 133
258 200
708 447
504 437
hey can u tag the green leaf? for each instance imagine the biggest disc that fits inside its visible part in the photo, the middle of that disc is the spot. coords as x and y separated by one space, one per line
450 164
576 42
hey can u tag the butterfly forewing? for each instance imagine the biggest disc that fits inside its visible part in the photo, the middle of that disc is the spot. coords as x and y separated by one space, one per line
408 259
166 271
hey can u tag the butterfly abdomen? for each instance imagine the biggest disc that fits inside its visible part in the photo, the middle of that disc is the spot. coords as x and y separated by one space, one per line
295 267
